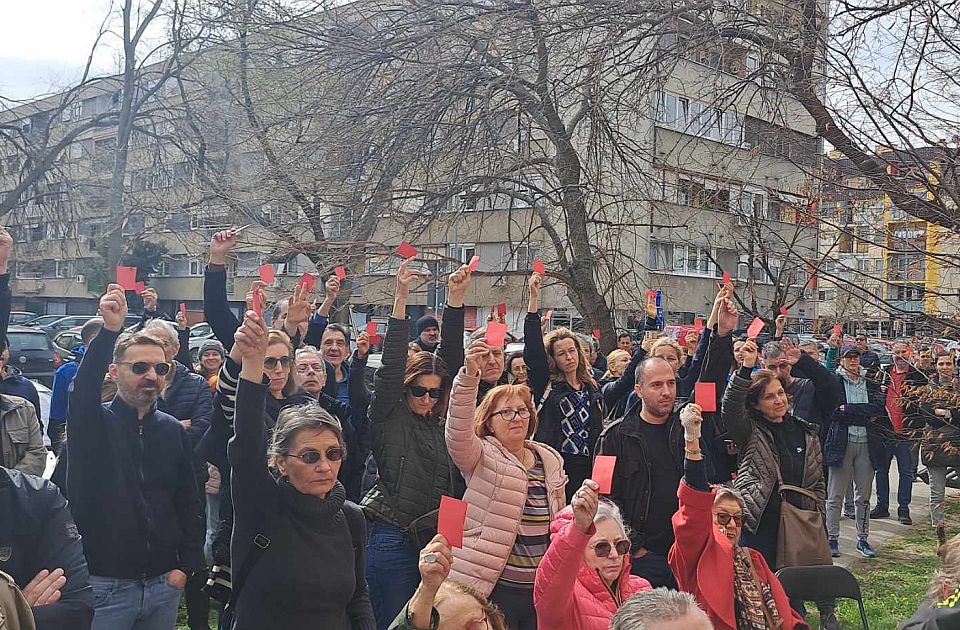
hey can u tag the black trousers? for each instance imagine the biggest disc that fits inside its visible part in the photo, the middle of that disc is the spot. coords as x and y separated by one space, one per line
516 604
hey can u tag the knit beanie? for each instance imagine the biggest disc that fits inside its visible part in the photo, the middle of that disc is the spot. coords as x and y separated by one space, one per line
427 321
211 344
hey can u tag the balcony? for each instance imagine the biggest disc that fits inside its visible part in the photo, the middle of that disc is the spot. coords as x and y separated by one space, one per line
910 306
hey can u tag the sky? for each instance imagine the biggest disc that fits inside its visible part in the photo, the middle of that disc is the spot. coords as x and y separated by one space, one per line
44 44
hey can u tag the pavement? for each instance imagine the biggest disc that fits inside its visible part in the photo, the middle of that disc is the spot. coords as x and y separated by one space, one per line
884 529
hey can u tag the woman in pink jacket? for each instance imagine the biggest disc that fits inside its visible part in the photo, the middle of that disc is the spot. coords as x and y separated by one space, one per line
514 488
585 575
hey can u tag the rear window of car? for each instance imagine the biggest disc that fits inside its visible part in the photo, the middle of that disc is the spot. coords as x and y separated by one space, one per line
28 341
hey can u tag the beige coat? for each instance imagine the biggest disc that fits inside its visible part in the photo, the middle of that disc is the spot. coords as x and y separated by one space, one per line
496 490
15 613
21 442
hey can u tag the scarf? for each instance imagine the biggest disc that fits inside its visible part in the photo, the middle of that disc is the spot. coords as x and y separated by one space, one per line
753 600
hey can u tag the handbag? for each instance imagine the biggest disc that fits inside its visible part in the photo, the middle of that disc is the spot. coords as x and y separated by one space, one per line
802 539
422 529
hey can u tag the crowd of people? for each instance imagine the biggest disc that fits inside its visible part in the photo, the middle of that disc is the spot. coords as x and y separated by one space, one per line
269 481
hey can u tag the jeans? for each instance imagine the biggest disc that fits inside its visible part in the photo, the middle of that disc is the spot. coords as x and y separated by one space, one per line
938 487
856 466
653 568
392 572
906 456
121 604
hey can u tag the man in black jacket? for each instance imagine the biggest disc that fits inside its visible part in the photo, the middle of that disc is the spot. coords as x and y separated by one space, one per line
40 548
132 483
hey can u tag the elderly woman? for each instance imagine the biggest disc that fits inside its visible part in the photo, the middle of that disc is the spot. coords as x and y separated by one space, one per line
285 521
585 575
515 486
742 592
617 362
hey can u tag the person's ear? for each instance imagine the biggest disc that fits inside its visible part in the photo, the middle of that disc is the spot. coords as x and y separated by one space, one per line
636 388
280 463
113 370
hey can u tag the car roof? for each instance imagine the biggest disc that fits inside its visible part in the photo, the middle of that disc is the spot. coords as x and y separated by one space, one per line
26 329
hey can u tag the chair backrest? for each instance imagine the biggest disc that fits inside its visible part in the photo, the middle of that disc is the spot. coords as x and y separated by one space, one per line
819 582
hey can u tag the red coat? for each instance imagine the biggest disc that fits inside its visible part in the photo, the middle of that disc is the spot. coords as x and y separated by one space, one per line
702 561
568 595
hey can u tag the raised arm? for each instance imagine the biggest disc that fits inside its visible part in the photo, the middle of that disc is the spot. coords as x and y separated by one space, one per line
318 322
451 332
216 307
534 354
733 411
466 449
621 388
6 248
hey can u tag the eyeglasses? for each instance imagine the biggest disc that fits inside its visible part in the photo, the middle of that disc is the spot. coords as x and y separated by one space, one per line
271 362
603 548
142 367
334 454
724 519
419 392
510 414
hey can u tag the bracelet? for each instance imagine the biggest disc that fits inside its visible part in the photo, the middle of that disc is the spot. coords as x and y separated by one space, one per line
689 452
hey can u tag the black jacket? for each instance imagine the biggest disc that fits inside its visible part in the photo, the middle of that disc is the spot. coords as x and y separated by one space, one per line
139 472
17 385
37 532
871 415
189 398
817 398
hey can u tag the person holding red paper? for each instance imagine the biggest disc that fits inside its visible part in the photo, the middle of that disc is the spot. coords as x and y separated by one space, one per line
569 400
585 575
407 436
742 591
515 486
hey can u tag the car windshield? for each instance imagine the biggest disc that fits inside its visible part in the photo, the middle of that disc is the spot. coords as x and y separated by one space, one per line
27 341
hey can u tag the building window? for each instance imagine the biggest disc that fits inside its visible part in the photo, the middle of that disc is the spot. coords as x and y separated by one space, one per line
686 260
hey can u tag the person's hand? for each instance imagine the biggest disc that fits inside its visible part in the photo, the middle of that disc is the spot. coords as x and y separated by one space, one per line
649 338
779 324
833 341
331 289
251 340
535 283
748 351
727 318
181 320
113 308
791 351
457 284
221 244
150 299
406 276
255 287
298 308
186 423
650 308
584 503
691 417
6 248
690 341
44 588
177 579
435 562
475 356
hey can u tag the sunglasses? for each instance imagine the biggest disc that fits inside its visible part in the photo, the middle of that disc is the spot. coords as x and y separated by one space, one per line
603 548
724 519
271 362
142 367
419 392
334 454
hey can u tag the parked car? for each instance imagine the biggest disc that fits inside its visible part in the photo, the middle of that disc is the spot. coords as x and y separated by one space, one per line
43 320
198 334
68 340
32 352
21 317
65 323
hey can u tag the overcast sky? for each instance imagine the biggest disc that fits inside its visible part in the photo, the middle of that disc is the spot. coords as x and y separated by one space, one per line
44 44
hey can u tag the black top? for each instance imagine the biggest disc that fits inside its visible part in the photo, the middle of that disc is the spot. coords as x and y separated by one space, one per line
791 443
663 486
312 573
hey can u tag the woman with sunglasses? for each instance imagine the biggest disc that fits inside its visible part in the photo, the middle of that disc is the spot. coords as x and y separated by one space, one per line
515 486
406 434
742 592
298 545
585 575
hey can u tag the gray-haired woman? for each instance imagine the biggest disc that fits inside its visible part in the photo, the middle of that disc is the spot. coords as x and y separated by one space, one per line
298 545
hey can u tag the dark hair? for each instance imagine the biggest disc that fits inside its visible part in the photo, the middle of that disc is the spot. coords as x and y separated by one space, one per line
758 382
91 329
340 328
625 334
425 364
276 310
127 341
508 363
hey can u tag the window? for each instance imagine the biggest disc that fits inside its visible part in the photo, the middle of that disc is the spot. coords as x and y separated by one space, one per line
462 253
752 65
661 256
523 255
688 260
247 263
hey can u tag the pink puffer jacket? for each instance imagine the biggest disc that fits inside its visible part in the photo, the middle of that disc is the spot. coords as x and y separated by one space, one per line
496 490
567 594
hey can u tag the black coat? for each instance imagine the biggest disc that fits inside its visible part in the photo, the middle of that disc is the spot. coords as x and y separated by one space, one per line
189 398
37 532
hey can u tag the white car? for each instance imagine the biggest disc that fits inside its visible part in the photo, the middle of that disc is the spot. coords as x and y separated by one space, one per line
45 394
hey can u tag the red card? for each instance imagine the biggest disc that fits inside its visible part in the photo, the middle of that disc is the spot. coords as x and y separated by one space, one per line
651 295
783 311
755 327
266 273
127 278
502 310
183 309
698 325
596 333
340 272
726 277
549 315
257 303
538 267
603 467
474 262
495 334
372 328
838 331
453 513
705 395
140 287
307 280
406 250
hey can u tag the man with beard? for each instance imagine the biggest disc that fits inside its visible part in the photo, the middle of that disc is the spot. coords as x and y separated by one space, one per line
428 333
131 476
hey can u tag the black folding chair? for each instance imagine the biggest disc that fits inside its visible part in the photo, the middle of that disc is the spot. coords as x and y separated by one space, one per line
816 583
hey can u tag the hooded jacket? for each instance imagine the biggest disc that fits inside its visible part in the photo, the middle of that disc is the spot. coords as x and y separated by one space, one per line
567 594
21 440
15 384
62 379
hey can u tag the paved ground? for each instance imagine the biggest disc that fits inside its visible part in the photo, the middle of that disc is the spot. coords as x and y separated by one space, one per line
882 530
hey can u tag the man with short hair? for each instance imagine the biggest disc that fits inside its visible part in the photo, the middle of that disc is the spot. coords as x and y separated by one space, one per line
625 342
869 360
132 484
13 383
63 381
660 609
428 333
811 349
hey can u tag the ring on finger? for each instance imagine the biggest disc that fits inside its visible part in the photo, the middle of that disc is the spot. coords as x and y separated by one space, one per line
430 558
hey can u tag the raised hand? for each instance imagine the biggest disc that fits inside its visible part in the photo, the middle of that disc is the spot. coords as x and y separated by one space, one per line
406 276
791 351
727 318
44 588
298 309
331 289
250 340
255 287
649 338
435 562
691 418
221 244
476 356
650 308
363 344
584 503
780 324
150 299
457 284
181 320
535 283
690 341
113 308
748 352
6 247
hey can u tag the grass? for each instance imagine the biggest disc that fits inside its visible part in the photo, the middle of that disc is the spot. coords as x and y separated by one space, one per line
182 618
894 583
